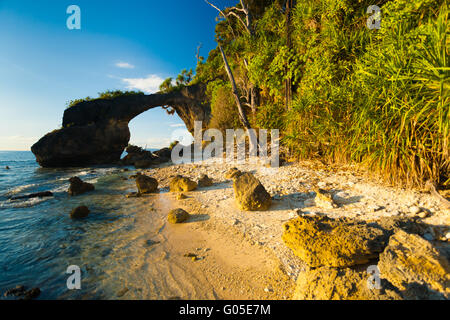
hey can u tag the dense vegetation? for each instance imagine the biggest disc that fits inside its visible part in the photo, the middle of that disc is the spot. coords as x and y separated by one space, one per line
110 94
378 97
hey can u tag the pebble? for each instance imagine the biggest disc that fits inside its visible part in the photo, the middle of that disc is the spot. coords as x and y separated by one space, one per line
322 184
423 214
268 289
415 210
428 236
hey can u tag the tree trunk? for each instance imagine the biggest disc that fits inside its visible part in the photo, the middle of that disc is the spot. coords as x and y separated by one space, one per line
242 114
288 81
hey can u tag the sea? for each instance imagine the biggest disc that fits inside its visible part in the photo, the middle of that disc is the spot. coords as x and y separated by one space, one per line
39 241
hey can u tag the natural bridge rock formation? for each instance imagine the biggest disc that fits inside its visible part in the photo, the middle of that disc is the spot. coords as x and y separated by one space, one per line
96 132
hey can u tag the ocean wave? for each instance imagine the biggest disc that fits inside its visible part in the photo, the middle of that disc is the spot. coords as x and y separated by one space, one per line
19 189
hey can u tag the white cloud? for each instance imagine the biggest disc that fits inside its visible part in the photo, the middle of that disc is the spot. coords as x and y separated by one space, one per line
124 65
150 84
177 125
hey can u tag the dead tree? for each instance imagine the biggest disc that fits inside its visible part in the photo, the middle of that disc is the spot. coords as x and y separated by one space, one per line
242 116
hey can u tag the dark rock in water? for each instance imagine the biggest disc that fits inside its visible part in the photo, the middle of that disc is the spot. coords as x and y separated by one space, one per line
34 195
138 157
32 294
7 168
77 186
178 216
146 184
17 291
205 181
134 195
20 291
96 132
80 212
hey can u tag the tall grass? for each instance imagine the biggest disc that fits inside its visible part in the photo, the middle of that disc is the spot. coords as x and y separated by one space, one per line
385 100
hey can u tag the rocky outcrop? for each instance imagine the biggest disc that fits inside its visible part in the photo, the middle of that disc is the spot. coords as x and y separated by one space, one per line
146 184
250 193
327 283
414 265
321 241
232 173
182 184
96 132
178 216
77 187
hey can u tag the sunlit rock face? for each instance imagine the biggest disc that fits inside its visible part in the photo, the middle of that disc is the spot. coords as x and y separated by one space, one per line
96 132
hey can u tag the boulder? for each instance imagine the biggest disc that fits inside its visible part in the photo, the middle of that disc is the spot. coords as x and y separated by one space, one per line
412 263
77 187
327 283
182 184
250 193
178 216
146 184
164 154
321 241
205 181
34 195
232 173
80 212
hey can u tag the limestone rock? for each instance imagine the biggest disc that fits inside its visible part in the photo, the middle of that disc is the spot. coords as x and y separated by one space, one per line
146 184
77 187
324 199
321 241
80 212
182 184
232 173
327 283
409 260
178 216
96 132
250 193
205 181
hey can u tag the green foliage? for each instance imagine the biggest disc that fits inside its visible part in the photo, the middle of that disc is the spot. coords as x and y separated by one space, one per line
110 94
224 114
375 97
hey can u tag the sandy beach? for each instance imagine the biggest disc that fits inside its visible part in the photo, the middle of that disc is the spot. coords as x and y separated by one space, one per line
241 255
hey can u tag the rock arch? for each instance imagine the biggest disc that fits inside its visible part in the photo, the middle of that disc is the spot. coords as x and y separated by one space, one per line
96 132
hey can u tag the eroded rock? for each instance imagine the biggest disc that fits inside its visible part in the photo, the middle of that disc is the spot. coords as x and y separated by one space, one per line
178 216
182 184
146 184
78 187
232 173
321 241
250 193
205 181
327 283
410 261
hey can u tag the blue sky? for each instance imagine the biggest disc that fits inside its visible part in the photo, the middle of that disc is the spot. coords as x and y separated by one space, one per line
132 44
